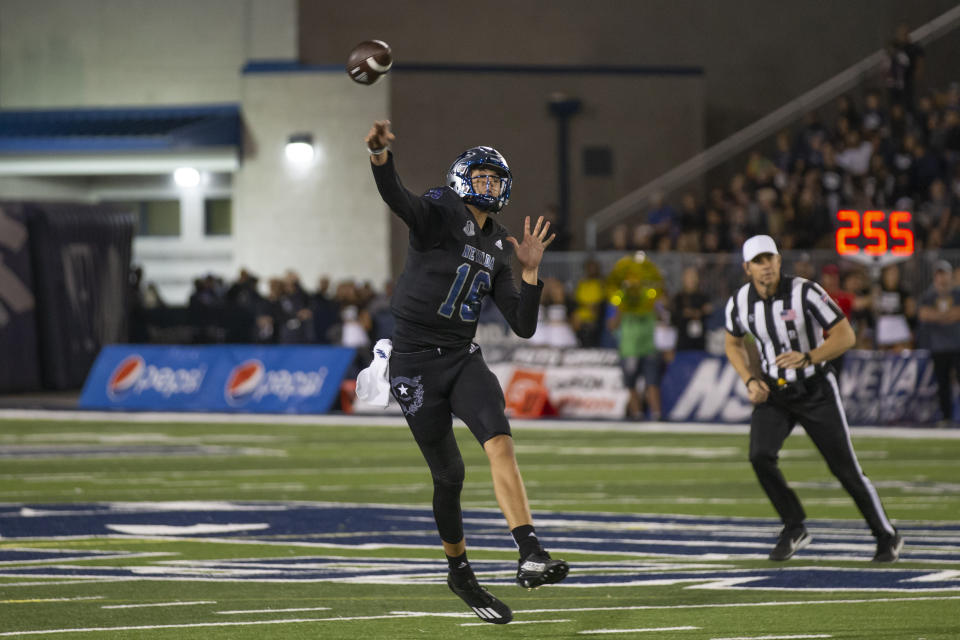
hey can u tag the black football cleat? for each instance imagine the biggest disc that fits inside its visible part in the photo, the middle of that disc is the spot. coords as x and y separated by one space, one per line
482 602
538 569
789 542
888 548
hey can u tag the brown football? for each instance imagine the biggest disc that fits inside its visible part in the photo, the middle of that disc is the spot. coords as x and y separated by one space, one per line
368 61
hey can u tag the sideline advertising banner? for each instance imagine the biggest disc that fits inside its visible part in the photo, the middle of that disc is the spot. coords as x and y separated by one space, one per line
237 378
878 388
572 383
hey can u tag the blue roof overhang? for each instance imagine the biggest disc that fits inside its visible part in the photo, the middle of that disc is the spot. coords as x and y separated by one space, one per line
120 140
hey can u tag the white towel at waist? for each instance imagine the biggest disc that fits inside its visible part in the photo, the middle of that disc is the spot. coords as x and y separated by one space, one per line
373 383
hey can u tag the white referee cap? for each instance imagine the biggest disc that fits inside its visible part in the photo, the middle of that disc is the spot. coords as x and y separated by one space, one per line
756 245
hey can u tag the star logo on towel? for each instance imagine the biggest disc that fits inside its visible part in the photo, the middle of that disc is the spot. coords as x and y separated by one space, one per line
403 390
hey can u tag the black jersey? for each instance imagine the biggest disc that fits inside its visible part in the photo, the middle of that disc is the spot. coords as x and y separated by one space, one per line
451 265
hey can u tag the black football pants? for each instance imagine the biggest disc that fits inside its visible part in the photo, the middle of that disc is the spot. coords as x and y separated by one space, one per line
818 407
430 385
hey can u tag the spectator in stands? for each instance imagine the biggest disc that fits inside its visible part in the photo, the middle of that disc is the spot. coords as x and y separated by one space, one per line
855 157
381 319
803 266
692 215
904 68
895 311
861 313
553 325
847 110
874 115
935 214
243 293
783 157
637 284
620 237
940 318
204 293
830 281
879 183
833 180
662 217
690 311
589 297
326 311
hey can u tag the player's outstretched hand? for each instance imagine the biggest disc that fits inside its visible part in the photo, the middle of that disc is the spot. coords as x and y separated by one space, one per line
379 137
530 251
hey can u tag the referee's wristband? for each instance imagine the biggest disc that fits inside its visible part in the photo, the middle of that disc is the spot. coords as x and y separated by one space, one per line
807 360
376 152
749 380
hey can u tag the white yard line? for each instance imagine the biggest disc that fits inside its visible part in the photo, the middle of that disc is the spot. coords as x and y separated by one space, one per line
515 622
201 624
158 604
31 600
816 635
648 629
737 604
225 613
909 433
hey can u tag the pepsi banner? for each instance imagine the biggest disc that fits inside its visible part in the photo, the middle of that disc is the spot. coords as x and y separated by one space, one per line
244 379
878 388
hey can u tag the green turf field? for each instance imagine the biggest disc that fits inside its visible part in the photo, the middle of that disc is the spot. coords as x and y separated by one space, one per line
139 530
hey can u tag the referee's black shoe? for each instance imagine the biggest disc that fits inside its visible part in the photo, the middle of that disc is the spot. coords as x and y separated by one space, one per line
483 603
538 569
888 548
789 542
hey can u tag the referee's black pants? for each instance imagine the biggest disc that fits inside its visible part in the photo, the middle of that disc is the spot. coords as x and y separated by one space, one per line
817 406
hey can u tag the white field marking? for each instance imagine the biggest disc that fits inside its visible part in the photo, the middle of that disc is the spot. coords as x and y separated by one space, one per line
648 629
731 605
815 635
514 623
939 576
230 613
44 583
211 624
158 604
176 530
30 600
707 428
66 555
153 507
152 438
615 450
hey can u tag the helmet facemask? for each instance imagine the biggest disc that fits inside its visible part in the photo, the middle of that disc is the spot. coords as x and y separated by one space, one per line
478 192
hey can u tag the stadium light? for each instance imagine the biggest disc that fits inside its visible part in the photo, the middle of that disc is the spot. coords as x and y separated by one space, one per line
186 177
299 149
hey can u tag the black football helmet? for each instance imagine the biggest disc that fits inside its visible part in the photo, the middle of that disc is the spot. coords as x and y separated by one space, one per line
458 178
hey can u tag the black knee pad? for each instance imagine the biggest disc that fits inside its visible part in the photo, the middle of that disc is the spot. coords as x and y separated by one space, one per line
763 461
450 475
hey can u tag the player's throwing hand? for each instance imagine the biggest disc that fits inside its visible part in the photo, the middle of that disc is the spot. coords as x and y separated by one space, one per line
378 139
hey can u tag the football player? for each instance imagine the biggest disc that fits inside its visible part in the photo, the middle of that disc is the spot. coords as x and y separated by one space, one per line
458 254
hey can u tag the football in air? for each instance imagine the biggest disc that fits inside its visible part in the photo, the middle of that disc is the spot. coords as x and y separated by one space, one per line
369 60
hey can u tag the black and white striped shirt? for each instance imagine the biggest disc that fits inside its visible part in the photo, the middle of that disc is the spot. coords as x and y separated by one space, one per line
792 319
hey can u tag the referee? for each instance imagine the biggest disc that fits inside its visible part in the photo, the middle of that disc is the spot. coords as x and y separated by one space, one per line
790 382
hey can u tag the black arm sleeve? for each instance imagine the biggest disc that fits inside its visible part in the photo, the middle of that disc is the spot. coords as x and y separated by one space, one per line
519 308
419 214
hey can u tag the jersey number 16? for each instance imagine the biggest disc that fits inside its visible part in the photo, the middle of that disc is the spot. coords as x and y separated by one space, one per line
470 306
